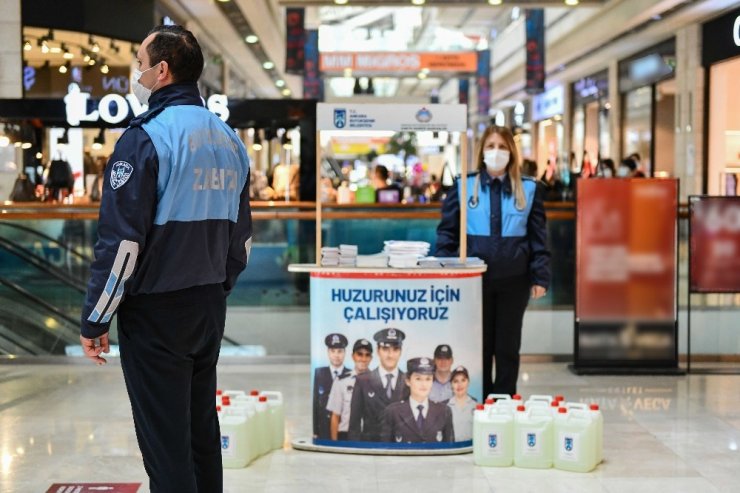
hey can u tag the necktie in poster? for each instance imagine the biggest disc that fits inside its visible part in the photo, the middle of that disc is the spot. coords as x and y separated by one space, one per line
535 27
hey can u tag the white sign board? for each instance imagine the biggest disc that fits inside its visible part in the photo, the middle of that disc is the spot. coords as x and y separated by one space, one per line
394 117
547 104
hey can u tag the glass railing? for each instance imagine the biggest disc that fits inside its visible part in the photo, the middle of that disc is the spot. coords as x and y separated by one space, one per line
61 239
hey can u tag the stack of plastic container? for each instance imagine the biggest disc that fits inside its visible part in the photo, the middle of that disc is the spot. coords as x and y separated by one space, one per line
251 425
540 433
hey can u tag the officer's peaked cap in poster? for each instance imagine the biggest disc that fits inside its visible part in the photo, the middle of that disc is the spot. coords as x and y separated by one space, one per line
389 337
424 366
336 341
459 370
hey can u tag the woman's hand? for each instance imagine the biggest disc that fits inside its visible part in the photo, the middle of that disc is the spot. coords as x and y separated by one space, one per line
538 292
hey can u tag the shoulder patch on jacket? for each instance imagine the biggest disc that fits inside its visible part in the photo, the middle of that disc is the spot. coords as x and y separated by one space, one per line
120 173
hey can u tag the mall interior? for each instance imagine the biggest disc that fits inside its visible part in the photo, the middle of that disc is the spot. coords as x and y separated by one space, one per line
627 116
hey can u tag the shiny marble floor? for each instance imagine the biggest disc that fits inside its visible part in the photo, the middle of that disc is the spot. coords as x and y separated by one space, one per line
72 422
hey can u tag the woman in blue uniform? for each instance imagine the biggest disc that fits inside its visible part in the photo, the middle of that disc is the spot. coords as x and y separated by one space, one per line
506 228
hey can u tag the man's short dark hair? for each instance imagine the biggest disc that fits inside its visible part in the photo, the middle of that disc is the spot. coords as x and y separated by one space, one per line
381 172
178 47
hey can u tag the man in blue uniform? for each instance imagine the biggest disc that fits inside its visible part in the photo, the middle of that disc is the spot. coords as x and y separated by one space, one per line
416 419
442 388
377 389
323 379
174 233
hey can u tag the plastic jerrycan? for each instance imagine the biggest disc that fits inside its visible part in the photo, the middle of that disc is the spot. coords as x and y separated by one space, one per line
264 426
493 444
546 399
533 436
599 442
276 409
235 444
574 437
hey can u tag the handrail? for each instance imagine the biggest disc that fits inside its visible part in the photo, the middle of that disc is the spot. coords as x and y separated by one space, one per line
38 301
24 254
64 246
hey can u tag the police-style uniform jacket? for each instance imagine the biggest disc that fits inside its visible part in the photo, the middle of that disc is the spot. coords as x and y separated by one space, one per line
512 242
399 424
175 209
322 383
369 400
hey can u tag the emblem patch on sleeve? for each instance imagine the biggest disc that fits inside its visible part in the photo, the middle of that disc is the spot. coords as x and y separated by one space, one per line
120 174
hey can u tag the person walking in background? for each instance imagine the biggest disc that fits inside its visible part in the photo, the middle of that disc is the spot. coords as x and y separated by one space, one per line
506 228
175 231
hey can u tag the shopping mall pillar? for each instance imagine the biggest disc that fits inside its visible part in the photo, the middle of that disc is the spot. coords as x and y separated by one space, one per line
11 63
690 110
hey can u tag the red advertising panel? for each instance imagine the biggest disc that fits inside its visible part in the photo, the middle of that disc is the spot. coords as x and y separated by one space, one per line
626 270
626 249
714 244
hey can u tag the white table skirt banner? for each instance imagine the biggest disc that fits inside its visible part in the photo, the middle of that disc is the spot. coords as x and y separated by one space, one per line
427 310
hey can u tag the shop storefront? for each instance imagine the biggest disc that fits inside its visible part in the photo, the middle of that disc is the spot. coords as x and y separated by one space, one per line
590 120
648 87
547 115
721 59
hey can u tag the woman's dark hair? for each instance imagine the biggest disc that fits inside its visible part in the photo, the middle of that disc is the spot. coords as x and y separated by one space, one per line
178 47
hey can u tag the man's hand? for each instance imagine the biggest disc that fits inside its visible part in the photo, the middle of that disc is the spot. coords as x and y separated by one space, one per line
93 351
538 292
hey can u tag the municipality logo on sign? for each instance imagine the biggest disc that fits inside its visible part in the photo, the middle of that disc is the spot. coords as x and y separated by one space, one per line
120 174
531 439
492 440
224 442
340 118
424 116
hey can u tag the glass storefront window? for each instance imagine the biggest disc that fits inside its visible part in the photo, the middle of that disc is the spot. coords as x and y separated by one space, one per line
636 128
723 177
665 120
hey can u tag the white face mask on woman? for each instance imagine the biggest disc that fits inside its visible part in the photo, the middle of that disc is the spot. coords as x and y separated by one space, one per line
142 92
496 159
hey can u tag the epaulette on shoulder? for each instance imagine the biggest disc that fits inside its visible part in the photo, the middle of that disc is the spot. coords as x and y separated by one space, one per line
145 117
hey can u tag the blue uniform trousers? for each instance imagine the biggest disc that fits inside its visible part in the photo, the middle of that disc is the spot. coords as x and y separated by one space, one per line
169 350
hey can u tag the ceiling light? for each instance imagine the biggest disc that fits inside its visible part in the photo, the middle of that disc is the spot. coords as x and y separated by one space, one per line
4 141
494 2
341 2
104 68
286 92
87 58
91 62
418 2
26 145
67 54
251 39
348 72
280 82
99 141
268 65
39 155
571 2
27 45
95 47
56 49
44 47
63 68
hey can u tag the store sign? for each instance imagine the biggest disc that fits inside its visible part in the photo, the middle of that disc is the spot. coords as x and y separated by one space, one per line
115 108
393 62
547 104
721 38
394 117
736 31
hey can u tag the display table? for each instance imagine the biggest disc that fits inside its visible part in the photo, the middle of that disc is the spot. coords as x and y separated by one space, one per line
421 309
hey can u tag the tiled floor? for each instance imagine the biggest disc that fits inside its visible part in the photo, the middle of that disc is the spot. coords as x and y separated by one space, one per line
72 422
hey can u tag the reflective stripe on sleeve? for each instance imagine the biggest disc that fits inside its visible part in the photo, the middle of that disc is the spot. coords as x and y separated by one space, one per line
123 266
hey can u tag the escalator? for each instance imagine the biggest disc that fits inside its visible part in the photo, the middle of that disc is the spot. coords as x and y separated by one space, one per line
43 281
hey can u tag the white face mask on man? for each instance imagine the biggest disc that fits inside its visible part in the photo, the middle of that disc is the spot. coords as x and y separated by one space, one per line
142 92
496 159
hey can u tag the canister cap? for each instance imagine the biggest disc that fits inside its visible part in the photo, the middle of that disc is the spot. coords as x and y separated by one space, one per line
263 398
480 407
490 401
225 400
594 407
562 410
559 398
520 408
255 392
516 397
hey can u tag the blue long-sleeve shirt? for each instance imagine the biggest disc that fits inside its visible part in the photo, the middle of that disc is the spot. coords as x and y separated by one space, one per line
175 207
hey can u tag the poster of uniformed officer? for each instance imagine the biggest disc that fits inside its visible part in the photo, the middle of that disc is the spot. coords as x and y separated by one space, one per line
323 379
416 419
418 316
376 390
